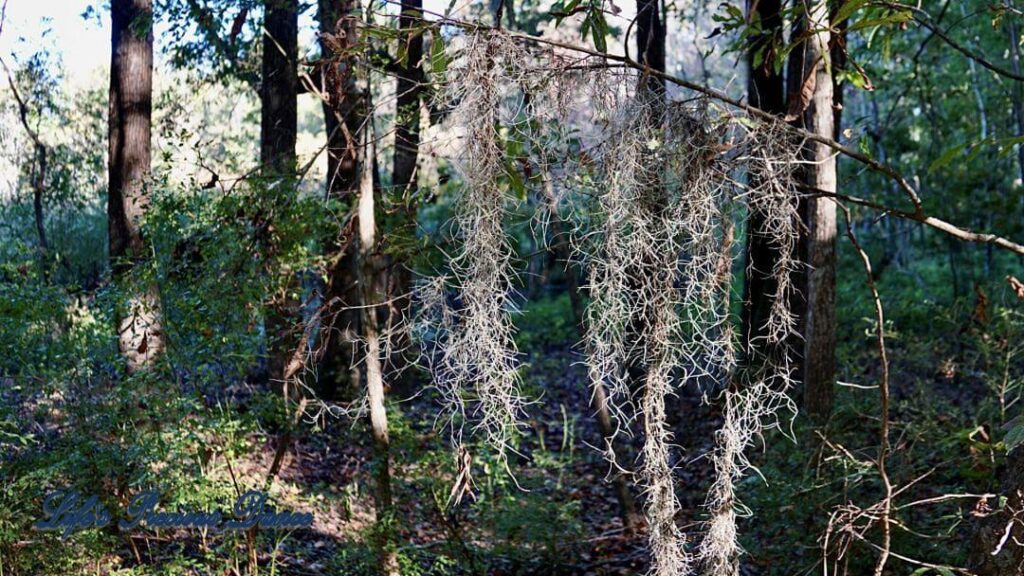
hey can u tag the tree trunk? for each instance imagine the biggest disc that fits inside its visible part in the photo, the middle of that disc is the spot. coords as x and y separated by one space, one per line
995 545
650 47
837 53
409 93
765 90
1017 94
140 336
404 174
343 116
369 280
278 129
279 88
815 284
38 189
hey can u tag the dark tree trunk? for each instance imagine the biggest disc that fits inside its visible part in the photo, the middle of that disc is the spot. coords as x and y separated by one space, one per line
404 174
837 52
343 117
278 129
814 284
650 43
1017 94
38 190
995 544
765 90
129 125
409 94
279 87
651 95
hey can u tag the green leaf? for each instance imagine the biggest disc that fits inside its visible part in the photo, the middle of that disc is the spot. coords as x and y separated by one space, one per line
1014 438
758 58
599 29
438 58
847 10
947 157
515 179
402 55
1005 144
897 18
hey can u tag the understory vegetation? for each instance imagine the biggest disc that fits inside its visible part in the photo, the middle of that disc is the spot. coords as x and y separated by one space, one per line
515 288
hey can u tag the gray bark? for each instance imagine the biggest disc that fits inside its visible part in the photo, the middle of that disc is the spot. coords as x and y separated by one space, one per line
810 73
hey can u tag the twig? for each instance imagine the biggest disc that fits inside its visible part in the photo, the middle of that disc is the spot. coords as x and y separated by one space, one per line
883 448
917 214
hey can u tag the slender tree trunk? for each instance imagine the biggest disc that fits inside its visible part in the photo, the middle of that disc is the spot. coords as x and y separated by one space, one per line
1017 94
1018 87
39 177
343 116
38 190
278 130
995 548
369 280
650 46
279 87
404 174
765 90
837 53
129 124
811 106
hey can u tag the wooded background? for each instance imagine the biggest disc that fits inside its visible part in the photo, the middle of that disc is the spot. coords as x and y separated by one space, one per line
568 287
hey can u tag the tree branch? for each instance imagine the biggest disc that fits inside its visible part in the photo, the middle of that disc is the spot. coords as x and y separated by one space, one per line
917 214
925 20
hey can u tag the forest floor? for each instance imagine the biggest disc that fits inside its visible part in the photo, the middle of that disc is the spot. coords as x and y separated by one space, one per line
552 511
556 512
562 518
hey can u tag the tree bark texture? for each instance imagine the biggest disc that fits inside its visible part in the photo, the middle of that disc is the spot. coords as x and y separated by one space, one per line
344 113
811 107
369 277
765 90
140 336
279 87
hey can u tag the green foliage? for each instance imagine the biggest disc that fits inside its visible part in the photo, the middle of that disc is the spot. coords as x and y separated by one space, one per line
544 324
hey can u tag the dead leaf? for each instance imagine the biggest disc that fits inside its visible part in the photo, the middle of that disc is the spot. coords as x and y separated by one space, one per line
463 478
799 101
980 305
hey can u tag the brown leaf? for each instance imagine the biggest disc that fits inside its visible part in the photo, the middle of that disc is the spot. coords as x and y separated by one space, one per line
798 102
980 305
463 480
